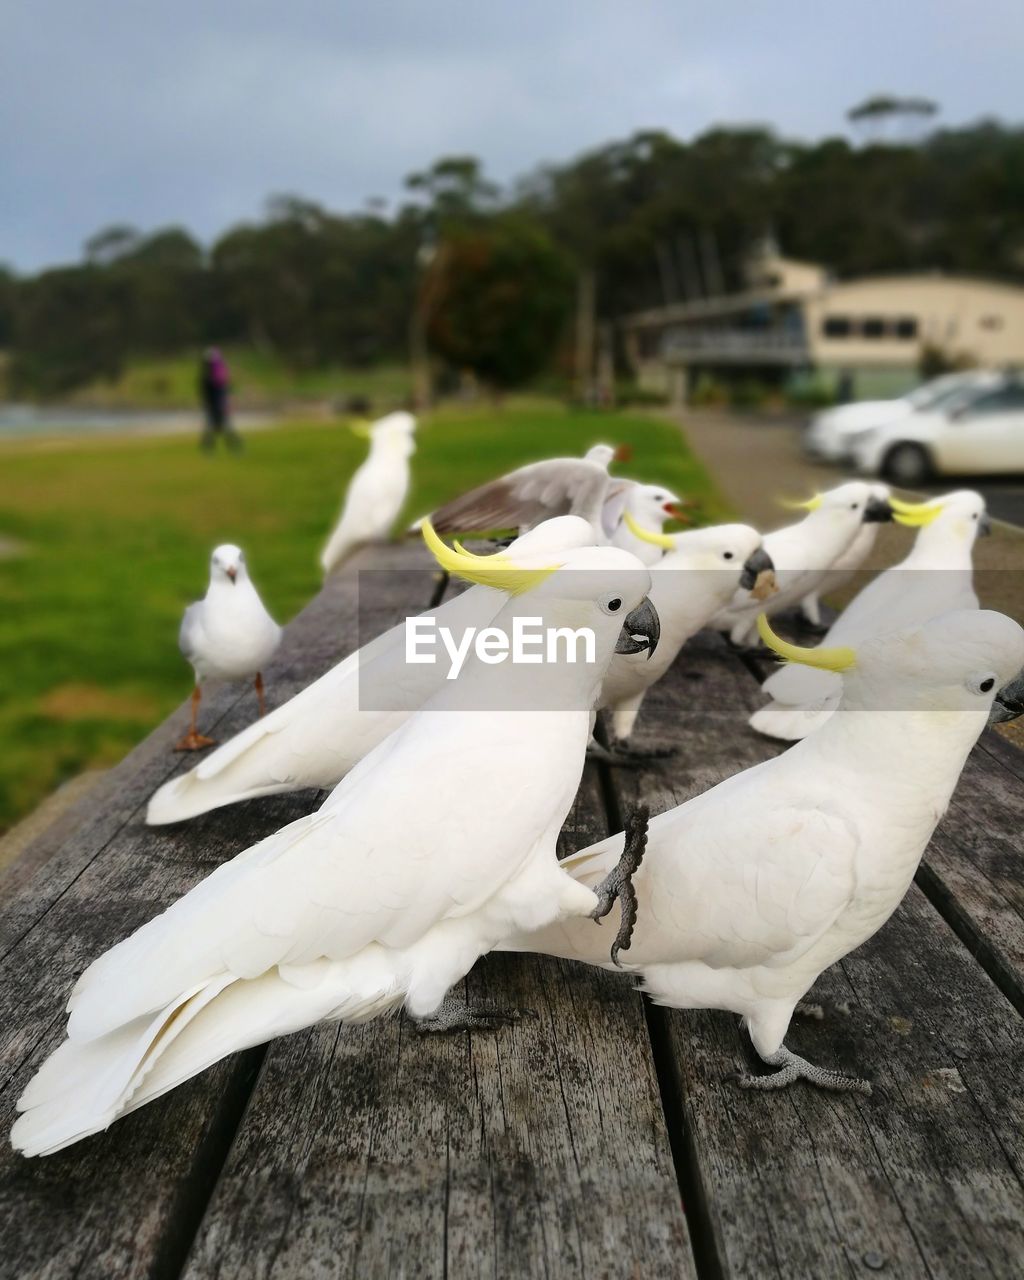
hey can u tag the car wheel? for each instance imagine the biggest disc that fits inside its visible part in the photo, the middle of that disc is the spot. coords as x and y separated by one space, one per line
907 464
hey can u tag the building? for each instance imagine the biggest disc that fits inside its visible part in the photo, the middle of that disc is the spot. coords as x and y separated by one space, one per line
793 320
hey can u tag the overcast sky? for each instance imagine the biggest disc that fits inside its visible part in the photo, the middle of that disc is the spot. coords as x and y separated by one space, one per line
193 111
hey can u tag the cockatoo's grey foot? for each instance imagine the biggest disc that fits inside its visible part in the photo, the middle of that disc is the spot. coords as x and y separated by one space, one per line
793 1068
618 883
815 628
806 1009
452 1017
755 650
620 756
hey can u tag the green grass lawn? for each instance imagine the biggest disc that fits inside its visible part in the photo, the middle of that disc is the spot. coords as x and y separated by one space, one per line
116 535
257 380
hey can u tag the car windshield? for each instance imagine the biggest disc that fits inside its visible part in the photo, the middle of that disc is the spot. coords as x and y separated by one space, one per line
940 391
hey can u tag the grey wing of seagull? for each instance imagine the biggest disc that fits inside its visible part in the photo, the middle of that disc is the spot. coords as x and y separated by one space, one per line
523 498
191 623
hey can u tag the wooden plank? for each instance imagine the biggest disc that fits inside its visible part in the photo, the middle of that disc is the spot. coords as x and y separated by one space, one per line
125 1203
923 1178
539 1150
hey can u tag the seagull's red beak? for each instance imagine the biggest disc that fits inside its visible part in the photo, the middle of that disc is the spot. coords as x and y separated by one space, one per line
676 510
623 453
232 573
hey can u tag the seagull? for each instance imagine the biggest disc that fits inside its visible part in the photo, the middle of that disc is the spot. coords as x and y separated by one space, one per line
376 491
644 506
228 635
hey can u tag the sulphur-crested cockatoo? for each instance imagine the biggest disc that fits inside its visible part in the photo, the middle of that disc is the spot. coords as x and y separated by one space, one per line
376 491
536 492
936 577
420 862
700 571
843 569
644 506
803 553
315 738
750 891
228 635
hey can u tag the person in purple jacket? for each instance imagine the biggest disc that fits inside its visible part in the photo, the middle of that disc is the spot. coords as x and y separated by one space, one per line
214 385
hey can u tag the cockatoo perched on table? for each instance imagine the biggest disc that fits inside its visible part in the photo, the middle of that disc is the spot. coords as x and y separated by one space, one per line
936 577
640 506
803 553
700 571
848 563
228 635
315 738
556 486
376 491
750 891
384 897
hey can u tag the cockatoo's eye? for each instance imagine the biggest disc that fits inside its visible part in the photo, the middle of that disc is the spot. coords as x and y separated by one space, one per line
727 555
854 506
985 682
612 605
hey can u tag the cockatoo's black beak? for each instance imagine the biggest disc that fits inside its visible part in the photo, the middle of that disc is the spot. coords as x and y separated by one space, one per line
984 525
754 565
1009 703
877 511
641 630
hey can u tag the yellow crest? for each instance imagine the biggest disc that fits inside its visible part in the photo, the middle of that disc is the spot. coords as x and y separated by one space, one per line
496 571
645 535
812 504
915 515
838 660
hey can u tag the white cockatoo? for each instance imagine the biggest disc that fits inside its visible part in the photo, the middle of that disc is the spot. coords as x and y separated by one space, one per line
936 577
315 738
430 853
855 555
376 491
228 635
751 890
700 571
644 506
804 552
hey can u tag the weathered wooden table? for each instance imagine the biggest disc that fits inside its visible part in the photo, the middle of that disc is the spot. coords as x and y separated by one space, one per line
599 1138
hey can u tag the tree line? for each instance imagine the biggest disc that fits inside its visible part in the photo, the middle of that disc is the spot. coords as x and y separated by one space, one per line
490 280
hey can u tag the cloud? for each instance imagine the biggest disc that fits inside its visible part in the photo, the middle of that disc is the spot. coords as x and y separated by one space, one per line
193 113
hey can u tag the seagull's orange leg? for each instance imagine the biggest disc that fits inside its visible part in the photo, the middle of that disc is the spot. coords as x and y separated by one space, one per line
194 740
259 694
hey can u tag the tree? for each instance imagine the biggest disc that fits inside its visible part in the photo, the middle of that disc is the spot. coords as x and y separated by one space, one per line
501 300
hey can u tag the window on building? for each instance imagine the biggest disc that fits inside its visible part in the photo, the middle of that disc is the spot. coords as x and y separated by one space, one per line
837 327
906 328
873 327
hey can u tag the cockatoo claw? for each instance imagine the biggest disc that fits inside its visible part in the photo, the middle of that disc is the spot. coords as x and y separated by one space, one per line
470 1017
618 883
793 1068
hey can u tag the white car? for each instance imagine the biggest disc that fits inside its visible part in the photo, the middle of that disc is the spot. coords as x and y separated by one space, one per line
829 434
980 432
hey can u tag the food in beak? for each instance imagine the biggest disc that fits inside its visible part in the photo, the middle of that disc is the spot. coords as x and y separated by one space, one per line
758 574
641 630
